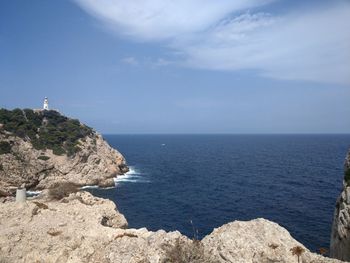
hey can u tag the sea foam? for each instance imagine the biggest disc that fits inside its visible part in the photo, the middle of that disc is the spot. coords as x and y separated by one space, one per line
132 176
33 193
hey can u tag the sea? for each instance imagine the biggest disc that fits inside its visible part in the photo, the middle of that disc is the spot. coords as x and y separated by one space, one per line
195 183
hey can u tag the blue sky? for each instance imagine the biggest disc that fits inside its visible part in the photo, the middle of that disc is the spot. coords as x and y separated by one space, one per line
185 66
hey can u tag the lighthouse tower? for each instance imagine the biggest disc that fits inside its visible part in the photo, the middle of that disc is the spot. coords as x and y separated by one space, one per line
46 104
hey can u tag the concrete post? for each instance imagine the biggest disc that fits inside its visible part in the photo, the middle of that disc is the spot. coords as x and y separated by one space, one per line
21 195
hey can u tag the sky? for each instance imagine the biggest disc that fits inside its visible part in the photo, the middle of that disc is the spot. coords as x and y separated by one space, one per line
184 66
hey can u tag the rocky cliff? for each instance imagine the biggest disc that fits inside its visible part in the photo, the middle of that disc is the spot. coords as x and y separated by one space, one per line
45 150
41 149
340 237
83 228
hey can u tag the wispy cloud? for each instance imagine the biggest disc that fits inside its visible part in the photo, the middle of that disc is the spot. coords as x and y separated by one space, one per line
304 46
146 61
161 62
163 19
130 61
308 44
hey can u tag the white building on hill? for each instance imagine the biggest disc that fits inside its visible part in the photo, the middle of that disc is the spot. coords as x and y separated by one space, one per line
46 104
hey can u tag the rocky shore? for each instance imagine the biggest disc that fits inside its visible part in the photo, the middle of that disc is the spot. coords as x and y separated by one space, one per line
47 151
84 228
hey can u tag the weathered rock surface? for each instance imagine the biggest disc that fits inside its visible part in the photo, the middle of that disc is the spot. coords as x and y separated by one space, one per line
256 241
95 164
340 237
83 228
68 231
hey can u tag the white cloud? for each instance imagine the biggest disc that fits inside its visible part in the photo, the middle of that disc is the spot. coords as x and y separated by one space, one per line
309 46
302 45
163 19
130 60
146 61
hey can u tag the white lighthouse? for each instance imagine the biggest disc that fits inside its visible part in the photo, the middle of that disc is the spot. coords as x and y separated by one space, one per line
46 104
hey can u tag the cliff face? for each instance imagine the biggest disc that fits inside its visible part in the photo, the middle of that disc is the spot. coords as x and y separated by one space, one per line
83 228
340 237
46 150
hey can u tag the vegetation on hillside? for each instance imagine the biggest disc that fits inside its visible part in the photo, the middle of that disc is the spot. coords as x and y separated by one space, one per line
43 157
45 129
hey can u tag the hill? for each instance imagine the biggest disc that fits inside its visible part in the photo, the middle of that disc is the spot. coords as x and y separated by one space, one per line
44 129
41 148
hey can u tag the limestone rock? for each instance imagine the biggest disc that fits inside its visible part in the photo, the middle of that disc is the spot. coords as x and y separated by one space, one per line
340 237
82 228
256 241
66 231
95 164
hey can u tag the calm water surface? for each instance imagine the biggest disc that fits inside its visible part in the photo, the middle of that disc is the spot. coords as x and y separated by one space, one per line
293 180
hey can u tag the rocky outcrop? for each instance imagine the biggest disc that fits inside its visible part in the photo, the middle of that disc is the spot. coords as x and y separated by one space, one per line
257 241
340 237
42 231
81 228
96 163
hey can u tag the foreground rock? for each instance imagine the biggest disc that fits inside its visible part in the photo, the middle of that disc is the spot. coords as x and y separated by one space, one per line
72 229
83 228
96 163
340 237
257 241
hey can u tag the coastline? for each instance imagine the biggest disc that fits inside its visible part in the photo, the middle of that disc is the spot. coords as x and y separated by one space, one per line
83 228
62 210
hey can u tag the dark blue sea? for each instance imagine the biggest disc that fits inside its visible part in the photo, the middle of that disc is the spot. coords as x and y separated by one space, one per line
293 180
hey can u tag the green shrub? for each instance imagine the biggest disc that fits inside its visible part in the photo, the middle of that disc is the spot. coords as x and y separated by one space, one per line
5 147
58 150
59 133
43 157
